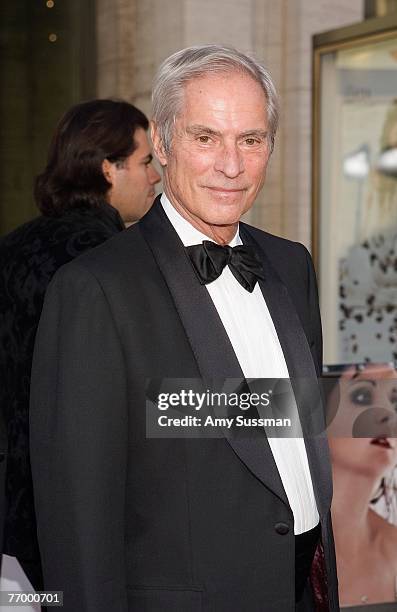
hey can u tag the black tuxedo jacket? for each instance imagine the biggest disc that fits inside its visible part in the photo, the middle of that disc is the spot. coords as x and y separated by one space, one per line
131 523
3 469
29 258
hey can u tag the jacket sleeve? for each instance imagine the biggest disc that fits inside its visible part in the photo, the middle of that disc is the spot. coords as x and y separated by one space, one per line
3 469
78 426
314 310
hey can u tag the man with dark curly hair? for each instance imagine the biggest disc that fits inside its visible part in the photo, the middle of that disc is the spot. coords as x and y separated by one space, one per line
98 178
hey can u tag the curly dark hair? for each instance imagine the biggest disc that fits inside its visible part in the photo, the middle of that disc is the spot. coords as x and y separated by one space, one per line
86 135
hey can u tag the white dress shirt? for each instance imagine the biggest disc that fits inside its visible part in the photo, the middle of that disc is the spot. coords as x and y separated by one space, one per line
251 331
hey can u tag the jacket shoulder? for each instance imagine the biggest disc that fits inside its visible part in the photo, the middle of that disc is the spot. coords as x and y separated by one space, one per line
117 257
277 248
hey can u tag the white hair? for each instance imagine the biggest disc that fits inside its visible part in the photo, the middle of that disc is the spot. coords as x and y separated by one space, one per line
198 61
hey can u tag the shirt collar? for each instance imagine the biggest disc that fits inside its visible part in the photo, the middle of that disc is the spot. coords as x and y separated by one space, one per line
185 230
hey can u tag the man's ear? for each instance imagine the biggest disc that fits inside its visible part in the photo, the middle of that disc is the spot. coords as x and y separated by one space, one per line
108 170
158 148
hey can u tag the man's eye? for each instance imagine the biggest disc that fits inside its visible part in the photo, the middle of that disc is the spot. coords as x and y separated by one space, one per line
251 141
361 396
204 139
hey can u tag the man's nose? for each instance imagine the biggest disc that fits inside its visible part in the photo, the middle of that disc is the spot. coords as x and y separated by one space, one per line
230 161
154 176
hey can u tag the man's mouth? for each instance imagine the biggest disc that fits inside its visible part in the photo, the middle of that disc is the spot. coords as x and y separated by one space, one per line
225 190
383 442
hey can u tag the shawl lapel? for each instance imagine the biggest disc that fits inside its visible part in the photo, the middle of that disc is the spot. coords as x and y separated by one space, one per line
302 374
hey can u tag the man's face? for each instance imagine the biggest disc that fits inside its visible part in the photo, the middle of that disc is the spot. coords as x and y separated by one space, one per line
219 152
133 181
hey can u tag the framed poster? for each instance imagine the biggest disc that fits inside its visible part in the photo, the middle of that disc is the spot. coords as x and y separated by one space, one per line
355 189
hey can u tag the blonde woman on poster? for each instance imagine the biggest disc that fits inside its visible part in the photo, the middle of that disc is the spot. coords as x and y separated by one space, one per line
362 428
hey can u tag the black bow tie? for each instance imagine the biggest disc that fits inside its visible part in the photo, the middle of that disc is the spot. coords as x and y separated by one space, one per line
209 260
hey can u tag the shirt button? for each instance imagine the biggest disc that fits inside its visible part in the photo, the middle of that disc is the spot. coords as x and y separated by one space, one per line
281 528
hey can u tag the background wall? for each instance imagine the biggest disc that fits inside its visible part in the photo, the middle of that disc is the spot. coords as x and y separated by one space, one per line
112 48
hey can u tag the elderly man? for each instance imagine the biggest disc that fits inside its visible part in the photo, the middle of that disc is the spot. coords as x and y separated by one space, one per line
132 522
